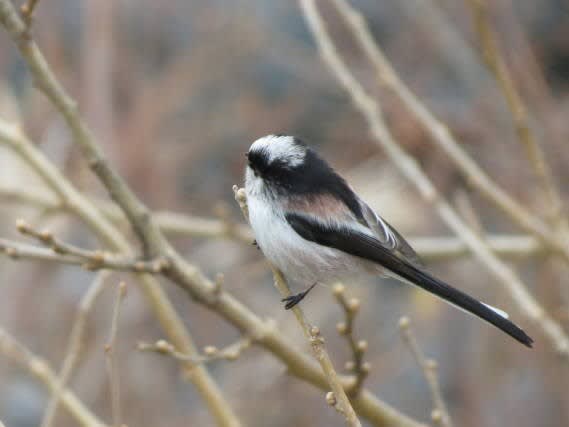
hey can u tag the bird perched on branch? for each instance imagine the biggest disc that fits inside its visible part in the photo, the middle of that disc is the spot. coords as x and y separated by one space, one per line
314 228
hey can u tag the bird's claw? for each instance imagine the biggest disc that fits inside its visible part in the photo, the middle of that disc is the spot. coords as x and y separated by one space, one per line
293 300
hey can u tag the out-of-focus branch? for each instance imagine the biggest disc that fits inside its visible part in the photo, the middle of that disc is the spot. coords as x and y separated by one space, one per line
177 224
369 107
338 398
497 65
346 329
444 248
48 84
210 353
440 414
74 346
465 208
112 238
443 137
111 359
89 260
27 11
180 224
40 369
171 223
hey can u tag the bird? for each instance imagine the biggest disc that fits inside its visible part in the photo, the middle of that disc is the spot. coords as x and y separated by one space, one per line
312 226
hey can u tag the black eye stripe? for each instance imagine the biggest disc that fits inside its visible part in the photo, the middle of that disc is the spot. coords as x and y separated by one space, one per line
258 160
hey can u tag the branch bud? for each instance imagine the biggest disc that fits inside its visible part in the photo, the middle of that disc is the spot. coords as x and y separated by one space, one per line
362 346
21 225
354 305
338 289
404 322
210 350
331 399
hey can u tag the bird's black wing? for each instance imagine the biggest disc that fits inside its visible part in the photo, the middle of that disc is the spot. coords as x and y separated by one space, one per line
354 242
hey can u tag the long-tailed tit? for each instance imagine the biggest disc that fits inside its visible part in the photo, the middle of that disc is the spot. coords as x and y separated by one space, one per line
311 225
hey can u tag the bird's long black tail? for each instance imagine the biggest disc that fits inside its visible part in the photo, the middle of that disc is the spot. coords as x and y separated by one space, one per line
365 246
498 318
419 277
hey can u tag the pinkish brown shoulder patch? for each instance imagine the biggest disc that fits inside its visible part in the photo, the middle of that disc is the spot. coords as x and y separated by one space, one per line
324 206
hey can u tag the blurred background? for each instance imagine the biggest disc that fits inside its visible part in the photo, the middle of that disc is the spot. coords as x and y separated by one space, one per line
177 90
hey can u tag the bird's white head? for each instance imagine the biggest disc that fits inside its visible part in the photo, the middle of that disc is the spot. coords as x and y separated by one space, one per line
285 150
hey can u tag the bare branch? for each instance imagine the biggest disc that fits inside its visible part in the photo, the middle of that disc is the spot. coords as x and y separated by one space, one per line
210 353
74 346
497 65
48 84
69 254
89 260
111 359
508 246
346 329
27 10
111 237
440 414
466 210
171 223
40 369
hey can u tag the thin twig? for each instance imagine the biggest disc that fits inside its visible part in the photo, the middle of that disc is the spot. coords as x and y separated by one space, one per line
40 369
74 346
440 414
495 61
443 137
338 399
92 259
370 109
210 353
27 11
111 359
171 223
466 210
89 260
351 306
433 249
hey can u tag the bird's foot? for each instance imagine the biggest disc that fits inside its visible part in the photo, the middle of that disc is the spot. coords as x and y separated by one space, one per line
293 300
